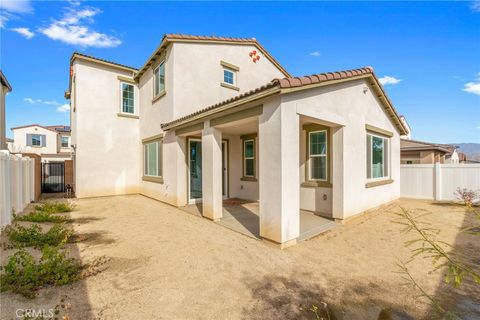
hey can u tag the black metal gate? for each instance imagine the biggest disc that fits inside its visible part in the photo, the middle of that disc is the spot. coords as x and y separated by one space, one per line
53 177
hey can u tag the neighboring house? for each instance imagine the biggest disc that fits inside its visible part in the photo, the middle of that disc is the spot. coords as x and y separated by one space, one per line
52 143
209 118
420 152
4 89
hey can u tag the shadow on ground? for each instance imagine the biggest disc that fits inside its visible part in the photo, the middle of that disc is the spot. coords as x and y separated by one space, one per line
280 297
463 301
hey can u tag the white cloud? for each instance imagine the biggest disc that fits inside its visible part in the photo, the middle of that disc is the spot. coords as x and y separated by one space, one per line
315 53
10 9
73 29
475 5
64 108
16 6
473 86
24 32
40 101
386 80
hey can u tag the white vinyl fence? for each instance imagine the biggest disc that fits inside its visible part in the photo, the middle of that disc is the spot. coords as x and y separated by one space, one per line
16 184
437 181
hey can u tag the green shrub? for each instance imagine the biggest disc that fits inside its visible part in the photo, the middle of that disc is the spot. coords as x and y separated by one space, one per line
54 207
33 236
41 216
23 275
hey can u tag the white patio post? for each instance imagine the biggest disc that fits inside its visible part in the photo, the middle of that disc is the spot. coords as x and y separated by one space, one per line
279 177
212 173
338 173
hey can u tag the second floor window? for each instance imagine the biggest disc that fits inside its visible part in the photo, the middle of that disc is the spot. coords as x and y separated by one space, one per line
36 140
127 98
64 141
229 76
159 79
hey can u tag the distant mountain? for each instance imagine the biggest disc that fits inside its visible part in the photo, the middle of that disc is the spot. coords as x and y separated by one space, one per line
472 150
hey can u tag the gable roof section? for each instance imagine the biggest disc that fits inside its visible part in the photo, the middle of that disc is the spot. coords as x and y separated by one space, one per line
169 38
415 145
285 85
56 128
78 55
4 81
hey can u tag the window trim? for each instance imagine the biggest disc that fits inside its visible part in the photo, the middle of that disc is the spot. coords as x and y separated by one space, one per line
310 156
372 181
39 139
160 93
61 142
121 112
158 139
247 138
327 183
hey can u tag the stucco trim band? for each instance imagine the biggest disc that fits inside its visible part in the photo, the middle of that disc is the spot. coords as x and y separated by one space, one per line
229 86
378 130
229 66
153 179
156 137
239 115
192 128
126 115
378 183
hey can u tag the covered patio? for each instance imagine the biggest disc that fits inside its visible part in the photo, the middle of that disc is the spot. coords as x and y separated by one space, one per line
243 217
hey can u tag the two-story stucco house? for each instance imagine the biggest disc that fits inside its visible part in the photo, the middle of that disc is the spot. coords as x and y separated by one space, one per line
210 118
52 143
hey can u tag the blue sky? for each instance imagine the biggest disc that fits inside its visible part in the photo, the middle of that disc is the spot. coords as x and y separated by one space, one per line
426 53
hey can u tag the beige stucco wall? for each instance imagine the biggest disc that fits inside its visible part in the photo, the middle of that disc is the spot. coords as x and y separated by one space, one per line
347 106
198 74
192 81
107 159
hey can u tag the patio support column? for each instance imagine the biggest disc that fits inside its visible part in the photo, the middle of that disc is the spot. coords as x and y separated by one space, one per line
279 177
338 173
212 173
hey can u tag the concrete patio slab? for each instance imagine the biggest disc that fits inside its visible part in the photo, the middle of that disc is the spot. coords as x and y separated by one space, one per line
242 216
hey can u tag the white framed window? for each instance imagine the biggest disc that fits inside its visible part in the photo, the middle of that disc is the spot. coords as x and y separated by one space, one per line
229 76
36 140
159 79
249 158
378 163
317 155
64 141
153 153
128 98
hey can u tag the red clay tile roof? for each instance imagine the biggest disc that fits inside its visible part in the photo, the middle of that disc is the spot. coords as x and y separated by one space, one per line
171 37
293 82
78 54
56 128
321 77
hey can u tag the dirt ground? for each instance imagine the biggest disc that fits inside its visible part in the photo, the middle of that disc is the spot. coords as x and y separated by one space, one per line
167 264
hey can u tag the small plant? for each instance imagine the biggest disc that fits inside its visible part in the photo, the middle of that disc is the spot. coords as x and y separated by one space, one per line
468 197
23 275
33 236
55 207
41 216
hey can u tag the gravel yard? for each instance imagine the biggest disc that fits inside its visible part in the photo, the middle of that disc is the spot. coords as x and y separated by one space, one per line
163 263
